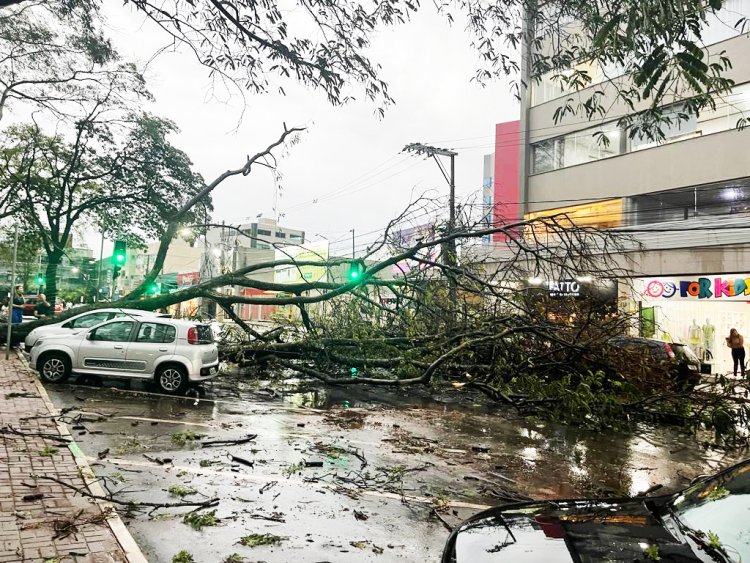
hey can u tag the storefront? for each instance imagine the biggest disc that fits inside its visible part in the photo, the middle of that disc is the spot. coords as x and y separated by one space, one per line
696 310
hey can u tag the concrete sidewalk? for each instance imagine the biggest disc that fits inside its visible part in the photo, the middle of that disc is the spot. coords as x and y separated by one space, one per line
40 520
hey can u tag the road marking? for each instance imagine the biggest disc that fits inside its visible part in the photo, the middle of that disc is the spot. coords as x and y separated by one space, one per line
268 478
145 419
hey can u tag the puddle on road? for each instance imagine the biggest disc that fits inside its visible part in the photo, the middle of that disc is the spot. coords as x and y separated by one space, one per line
335 466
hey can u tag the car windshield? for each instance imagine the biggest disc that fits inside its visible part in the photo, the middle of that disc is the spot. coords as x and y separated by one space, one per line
716 507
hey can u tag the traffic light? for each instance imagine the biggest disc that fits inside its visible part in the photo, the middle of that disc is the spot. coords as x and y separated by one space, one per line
40 279
116 272
355 271
153 288
118 256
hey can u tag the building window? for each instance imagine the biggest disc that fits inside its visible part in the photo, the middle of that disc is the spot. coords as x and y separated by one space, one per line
586 145
548 155
673 128
294 237
264 245
264 232
279 234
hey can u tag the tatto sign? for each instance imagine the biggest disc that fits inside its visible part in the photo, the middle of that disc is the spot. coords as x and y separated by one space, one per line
709 287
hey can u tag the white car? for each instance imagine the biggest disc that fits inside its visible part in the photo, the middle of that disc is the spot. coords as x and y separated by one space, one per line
84 320
174 353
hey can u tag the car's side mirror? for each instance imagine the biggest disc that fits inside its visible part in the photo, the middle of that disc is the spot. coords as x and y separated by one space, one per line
90 336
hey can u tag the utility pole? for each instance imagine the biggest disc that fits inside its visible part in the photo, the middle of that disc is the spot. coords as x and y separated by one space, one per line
449 249
12 291
99 272
352 231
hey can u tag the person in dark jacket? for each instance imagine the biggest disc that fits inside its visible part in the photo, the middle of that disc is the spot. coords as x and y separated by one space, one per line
43 308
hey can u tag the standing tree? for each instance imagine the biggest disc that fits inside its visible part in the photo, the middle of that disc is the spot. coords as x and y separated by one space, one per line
129 187
29 247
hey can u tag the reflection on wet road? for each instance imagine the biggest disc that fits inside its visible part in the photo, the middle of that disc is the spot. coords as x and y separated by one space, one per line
338 476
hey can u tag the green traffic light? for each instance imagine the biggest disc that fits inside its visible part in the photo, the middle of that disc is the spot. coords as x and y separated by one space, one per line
120 258
354 274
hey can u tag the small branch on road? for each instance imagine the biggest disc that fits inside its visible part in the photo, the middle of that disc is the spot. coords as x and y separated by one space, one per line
437 515
131 504
53 437
216 443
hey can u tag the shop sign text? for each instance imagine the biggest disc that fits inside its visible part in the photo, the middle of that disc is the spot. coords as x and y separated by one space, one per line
564 288
702 288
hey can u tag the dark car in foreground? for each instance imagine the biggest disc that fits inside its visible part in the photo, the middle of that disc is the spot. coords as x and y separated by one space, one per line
708 521
677 358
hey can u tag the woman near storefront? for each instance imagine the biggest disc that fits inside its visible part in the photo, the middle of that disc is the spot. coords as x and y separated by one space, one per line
737 343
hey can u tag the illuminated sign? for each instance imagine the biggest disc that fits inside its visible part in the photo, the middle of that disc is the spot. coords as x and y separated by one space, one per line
564 288
708 287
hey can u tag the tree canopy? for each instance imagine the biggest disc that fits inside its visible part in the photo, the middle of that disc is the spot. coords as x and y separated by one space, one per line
127 183
55 57
654 51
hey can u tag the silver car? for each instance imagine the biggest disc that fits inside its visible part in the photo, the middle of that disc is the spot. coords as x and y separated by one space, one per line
174 353
84 320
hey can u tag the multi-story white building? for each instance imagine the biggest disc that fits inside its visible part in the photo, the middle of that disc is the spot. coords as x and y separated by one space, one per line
685 199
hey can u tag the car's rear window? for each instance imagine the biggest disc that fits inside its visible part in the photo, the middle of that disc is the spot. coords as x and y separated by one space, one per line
205 334
683 352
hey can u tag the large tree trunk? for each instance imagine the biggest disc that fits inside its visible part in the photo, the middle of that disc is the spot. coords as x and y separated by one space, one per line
50 289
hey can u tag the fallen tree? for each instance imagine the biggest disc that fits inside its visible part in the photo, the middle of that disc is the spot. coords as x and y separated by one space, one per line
527 324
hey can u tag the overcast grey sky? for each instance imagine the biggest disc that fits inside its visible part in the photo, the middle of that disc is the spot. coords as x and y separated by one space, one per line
348 160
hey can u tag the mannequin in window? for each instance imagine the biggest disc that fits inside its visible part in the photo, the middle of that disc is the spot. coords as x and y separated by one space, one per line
695 337
709 331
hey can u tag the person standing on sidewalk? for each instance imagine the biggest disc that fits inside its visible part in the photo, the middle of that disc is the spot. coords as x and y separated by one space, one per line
17 311
43 309
737 343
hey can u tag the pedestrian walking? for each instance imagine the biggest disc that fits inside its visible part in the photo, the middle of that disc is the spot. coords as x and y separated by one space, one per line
737 343
17 313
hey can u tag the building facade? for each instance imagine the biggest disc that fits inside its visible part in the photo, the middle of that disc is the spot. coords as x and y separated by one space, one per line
685 200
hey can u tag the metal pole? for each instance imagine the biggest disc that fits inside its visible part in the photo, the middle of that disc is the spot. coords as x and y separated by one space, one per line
352 230
99 273
452 202
12 292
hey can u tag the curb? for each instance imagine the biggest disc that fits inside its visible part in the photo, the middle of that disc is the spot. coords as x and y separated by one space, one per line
129 547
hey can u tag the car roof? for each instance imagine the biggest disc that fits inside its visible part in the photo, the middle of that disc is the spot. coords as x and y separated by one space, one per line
164 319
134 312
644 340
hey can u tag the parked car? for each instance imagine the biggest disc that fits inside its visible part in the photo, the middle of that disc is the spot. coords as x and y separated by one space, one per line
84 320
173 352
705 522
678 358
29 305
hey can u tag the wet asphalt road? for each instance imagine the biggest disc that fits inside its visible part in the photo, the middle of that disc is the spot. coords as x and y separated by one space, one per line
338 476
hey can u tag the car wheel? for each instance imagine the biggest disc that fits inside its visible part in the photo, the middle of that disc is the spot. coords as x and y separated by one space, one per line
172 379
54 368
